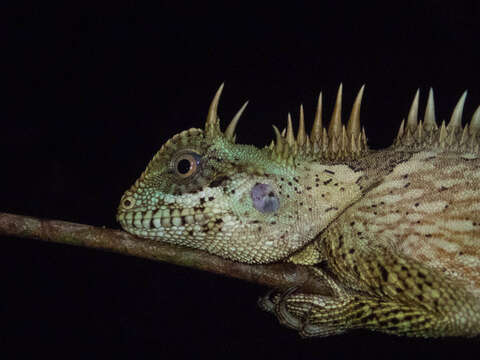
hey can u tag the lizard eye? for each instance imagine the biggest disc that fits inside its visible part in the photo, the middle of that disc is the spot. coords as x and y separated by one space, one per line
186 164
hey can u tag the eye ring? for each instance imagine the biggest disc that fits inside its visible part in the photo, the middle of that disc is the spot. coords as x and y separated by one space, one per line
186 164
128 202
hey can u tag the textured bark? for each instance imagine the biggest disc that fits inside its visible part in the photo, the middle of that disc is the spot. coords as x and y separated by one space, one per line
281 276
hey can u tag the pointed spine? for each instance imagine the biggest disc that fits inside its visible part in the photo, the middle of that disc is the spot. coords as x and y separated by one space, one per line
352 146
278 141
400 133
475 122
456 118
316 133
442 135
301 136
419 132
230 131
289 136
353 125
465 136
212 125
412 119
364 144
429 122
344 142
335 125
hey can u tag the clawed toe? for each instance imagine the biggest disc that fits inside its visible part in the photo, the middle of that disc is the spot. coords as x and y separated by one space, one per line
285 317
276 303
266 303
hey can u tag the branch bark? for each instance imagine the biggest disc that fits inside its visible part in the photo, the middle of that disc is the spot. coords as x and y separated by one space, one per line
281 275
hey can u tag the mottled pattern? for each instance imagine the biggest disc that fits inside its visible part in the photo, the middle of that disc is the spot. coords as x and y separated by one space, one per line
428 209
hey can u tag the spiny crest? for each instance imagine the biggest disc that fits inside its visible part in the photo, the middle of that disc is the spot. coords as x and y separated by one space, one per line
336 143
426 134
339 142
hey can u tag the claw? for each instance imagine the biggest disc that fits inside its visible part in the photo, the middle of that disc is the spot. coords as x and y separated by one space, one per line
310 330
265 303
284 316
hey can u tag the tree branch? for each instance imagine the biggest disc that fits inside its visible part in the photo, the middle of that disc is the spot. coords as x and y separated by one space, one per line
281 275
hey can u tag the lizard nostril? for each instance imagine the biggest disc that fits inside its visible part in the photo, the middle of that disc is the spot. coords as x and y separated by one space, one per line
128 202
264 198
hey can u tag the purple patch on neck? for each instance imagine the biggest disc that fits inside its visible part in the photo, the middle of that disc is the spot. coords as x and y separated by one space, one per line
264 198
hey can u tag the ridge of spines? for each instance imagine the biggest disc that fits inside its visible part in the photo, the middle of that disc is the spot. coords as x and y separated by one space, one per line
349 141
417 134
339 142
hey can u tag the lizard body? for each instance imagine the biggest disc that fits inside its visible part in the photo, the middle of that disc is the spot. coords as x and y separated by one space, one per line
394 232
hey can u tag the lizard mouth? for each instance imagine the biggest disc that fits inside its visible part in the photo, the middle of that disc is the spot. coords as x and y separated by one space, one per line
155 223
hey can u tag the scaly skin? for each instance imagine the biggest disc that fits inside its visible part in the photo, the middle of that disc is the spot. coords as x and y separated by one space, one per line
395 232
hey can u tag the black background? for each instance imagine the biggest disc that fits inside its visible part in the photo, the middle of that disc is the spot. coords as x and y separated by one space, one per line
90 92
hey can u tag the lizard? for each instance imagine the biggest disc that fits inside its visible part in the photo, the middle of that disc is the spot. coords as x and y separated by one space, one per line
395 233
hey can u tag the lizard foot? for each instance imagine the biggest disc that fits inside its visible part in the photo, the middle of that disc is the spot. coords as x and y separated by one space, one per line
276 303
297 311
266 303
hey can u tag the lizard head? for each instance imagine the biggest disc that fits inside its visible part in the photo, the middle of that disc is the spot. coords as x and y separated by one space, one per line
204 191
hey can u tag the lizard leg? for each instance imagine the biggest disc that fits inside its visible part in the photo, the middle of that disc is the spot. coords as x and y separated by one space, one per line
318 315
428 306
297 310
391 294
